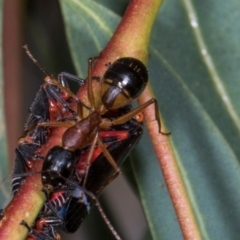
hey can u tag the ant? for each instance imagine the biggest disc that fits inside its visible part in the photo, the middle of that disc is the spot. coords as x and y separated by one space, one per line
124 81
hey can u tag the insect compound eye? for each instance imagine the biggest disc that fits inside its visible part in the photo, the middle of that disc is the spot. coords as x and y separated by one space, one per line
58 165
124 80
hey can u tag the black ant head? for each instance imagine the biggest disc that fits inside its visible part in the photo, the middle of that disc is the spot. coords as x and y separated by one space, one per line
58 165
124 81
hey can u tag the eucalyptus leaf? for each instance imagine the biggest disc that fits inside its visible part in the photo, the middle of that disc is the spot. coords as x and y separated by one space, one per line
194 71
89 26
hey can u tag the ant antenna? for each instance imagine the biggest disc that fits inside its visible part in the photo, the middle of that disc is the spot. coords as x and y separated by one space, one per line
35 60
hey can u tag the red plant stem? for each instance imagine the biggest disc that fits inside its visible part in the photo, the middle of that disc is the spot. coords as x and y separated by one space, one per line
171 174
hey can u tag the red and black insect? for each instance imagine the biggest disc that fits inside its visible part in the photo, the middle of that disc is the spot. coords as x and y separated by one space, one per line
52 102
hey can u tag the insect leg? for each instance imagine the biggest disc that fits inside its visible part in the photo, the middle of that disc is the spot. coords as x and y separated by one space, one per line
51 91
89 84
63 76
110 160
131 114
56 124
93 144
45 234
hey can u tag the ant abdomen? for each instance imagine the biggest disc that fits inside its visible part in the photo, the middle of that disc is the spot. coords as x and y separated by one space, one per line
124 81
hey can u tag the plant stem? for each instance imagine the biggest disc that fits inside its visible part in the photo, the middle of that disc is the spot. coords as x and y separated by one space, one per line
131 39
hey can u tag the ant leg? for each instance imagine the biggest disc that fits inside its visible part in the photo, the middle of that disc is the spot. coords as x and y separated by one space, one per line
53 93
67 119
126 117
53 81
89 82
80 110
62 77
114 232
107 155
110 160
89 85
93 144
97 203
56 124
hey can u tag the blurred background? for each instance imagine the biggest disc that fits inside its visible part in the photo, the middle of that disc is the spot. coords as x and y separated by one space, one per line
39 24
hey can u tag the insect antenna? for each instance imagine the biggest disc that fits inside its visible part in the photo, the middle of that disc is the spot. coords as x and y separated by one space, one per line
35 60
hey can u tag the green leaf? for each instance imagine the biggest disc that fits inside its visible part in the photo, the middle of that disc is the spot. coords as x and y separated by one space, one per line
89 26
4 193
205 132
194 71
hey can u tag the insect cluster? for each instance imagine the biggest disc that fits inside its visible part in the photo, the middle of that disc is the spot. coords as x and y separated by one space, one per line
92 147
